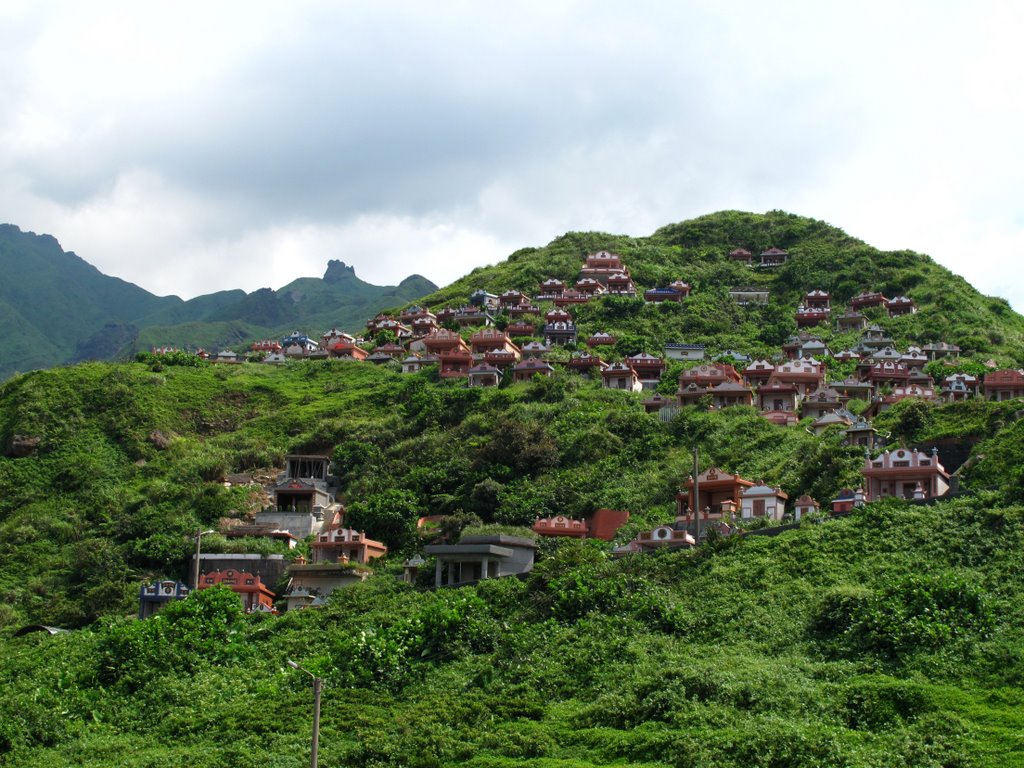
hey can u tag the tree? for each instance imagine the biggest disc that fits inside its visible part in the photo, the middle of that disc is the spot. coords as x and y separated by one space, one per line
483 499
525 448
202 628
776 323
389 516
907 419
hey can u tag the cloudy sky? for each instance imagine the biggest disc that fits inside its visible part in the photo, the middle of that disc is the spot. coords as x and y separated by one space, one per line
195 146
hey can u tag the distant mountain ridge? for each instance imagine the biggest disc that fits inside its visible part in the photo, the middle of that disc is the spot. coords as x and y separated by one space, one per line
56 308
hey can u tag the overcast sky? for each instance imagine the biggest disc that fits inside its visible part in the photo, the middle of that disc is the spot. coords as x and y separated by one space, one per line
196 146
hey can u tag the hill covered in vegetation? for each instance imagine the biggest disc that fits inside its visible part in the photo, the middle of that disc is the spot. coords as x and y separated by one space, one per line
821 257
891 637
55 308
888 638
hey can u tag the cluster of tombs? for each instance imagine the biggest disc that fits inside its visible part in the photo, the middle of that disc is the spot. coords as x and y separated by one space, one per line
303 505
791 387
816 306
788 391
784 391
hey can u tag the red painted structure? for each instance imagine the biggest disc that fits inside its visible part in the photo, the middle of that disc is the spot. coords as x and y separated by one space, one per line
249 588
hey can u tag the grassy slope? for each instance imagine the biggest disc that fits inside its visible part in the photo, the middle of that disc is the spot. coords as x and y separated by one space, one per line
99 483
25 344
718 659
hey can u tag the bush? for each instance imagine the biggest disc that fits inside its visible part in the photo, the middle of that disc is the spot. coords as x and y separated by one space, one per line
917 613
157 361
185 634
389 516
877 702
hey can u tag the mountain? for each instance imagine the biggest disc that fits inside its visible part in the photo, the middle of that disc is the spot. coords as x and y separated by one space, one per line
56 308
890 637
52 301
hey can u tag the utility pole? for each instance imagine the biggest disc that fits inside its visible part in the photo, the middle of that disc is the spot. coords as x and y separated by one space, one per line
318 685
696 495
195 566
314 750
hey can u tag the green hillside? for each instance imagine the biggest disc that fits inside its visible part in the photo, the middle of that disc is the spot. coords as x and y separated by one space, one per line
889 638
24 342
821 257
54 301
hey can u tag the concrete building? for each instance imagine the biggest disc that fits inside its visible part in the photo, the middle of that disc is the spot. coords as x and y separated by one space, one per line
310 584
805 506
905 473
249 587
603 524
476 558
762 501
153 597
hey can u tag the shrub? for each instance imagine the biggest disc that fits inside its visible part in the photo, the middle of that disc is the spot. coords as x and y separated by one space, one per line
912 614
876 702
186 633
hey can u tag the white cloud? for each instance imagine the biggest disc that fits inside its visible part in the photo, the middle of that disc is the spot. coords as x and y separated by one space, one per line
383 249
191 148
151 233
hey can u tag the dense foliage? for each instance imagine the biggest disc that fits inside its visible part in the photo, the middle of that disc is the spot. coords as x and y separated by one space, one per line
891 638
888 638
129 461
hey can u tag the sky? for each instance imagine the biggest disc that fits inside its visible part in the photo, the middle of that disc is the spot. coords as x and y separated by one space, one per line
191 147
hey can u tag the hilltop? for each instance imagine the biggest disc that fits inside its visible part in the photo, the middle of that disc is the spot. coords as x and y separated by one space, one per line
60 309
822 257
